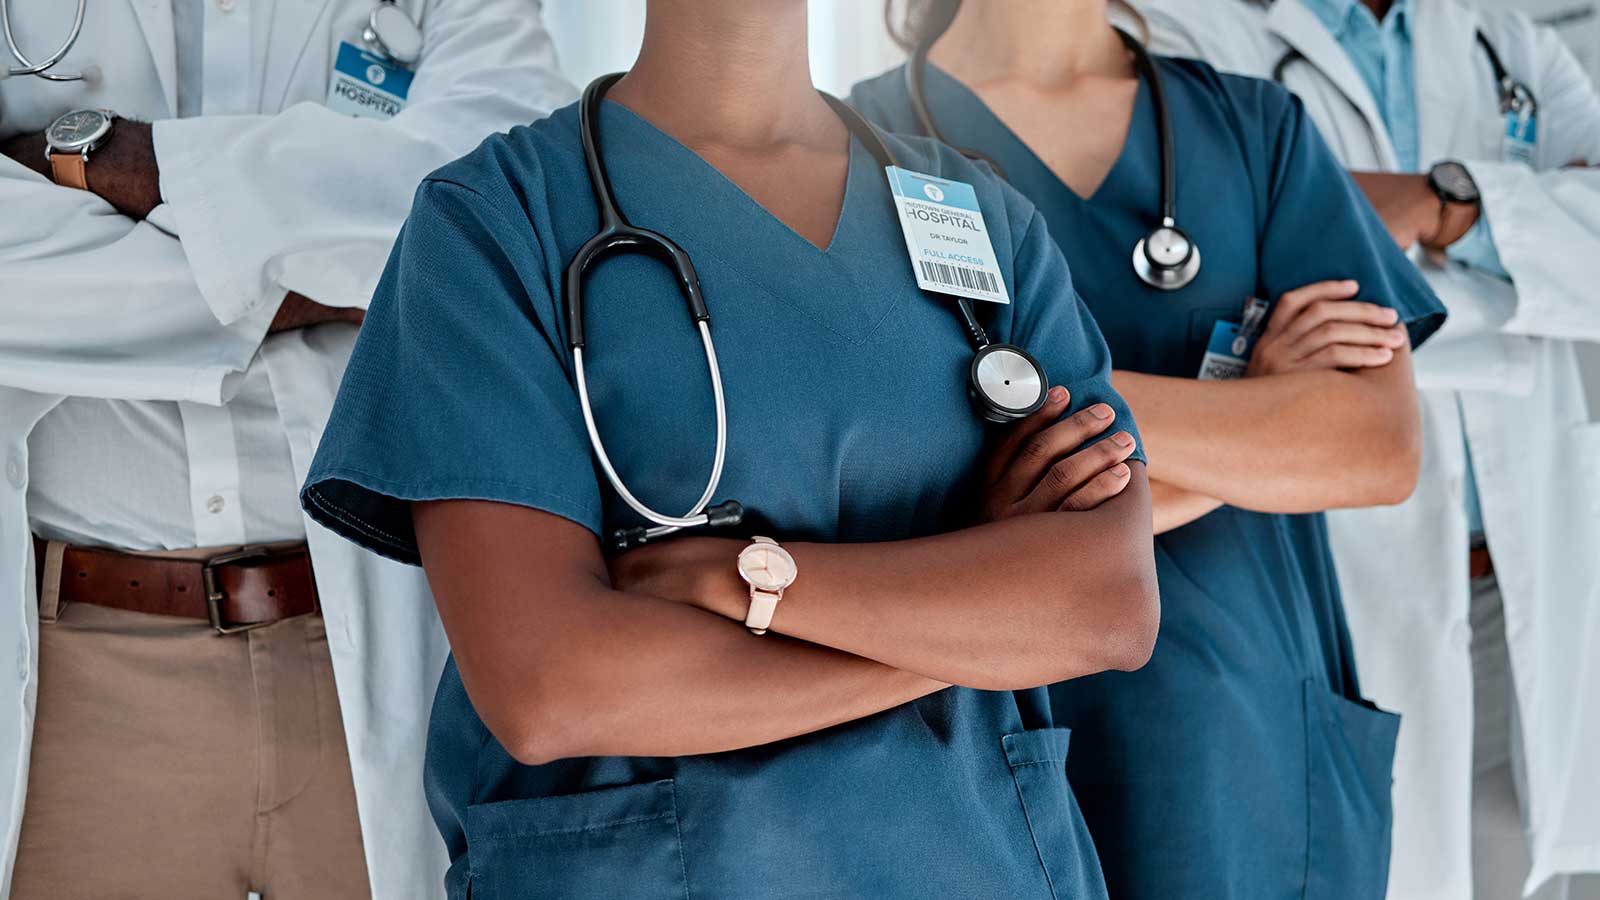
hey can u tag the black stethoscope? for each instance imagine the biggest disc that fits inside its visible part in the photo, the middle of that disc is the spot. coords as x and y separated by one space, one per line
1515 96
1167 258
1004 382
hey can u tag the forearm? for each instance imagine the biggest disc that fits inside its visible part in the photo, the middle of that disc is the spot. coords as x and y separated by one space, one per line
1291 443
1175 507
298 311
610 673
1012 604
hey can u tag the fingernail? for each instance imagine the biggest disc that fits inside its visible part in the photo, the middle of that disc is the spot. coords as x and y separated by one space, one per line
1394 315
1120 470
1058 394
1122 439
1100 411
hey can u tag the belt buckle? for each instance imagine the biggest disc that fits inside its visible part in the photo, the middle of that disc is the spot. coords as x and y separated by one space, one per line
215 595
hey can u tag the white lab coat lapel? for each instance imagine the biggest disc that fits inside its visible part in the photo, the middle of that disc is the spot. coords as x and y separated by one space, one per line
155 21
1442 32
1301 30
282 45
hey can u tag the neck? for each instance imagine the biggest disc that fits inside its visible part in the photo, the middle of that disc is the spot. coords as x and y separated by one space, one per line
729 73
1048 43
1380 8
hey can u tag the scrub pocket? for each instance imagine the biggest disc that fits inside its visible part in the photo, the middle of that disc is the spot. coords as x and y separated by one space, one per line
616 843
1038 761
1349 774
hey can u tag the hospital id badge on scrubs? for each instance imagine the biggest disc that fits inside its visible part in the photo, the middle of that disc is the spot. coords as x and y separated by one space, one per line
1228 351
1521 142
946 237
367 86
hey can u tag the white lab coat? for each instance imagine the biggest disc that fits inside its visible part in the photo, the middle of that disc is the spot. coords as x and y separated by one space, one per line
292 197
1504 368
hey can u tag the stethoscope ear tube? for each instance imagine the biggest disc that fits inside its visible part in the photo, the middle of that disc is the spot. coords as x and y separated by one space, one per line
616 235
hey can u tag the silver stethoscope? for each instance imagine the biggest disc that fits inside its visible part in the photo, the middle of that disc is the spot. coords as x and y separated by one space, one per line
390 33
1516 98
1166 258
1004 382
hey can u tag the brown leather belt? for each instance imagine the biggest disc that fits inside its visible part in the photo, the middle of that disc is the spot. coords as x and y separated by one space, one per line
1479 562
235 591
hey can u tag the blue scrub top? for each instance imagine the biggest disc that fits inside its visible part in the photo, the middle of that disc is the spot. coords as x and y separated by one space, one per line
848 421
1241 762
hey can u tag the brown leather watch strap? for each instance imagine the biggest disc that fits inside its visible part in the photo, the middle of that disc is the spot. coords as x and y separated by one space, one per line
233 592
70 170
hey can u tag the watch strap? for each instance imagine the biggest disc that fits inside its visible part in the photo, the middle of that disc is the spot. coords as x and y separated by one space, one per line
70 170
762 605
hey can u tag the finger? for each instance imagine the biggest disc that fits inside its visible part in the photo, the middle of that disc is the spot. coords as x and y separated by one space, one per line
1101 488
1049 447
1329 333
1348 356
1055 402
1324 311
1291 304
1069 474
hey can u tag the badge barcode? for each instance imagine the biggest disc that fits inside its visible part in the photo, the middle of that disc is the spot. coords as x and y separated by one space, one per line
960 276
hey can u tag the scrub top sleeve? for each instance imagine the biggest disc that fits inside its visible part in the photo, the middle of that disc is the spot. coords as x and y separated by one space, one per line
1318 225
457 387
1053 323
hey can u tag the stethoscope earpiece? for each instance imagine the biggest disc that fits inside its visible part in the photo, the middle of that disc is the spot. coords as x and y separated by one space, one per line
1166 259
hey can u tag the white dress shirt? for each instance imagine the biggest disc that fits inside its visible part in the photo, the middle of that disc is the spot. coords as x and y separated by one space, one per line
162 475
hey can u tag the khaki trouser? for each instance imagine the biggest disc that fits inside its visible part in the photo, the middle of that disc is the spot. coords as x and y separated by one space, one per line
171 763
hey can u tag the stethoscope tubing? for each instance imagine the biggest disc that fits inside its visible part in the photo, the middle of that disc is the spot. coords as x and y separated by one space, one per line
42 68
696 514
1512 92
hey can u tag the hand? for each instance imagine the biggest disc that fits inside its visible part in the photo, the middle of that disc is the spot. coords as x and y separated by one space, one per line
1412 211
28 149
299 311
1319 327
1042 465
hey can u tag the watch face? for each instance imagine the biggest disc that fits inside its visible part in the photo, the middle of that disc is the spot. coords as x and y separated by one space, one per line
1454 183
767 567
1167 247
78 129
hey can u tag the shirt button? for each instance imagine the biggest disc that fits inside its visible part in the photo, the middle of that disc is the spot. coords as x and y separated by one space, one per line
14 470
227 5
215 504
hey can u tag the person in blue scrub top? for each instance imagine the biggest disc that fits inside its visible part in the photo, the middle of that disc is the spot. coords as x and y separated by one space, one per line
1242 762
607 726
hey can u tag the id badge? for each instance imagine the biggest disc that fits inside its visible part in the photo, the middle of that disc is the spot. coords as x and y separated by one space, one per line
1228 351
1521 142
367 86
946 237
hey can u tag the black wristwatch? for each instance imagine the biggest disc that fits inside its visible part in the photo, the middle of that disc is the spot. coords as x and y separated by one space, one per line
1454 184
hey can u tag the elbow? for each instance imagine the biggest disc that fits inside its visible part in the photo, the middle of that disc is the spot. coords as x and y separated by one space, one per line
1397 464
534 727
1130 638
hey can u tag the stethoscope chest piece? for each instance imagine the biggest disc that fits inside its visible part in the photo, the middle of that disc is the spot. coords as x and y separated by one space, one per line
1166 259
1006 383
390 33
